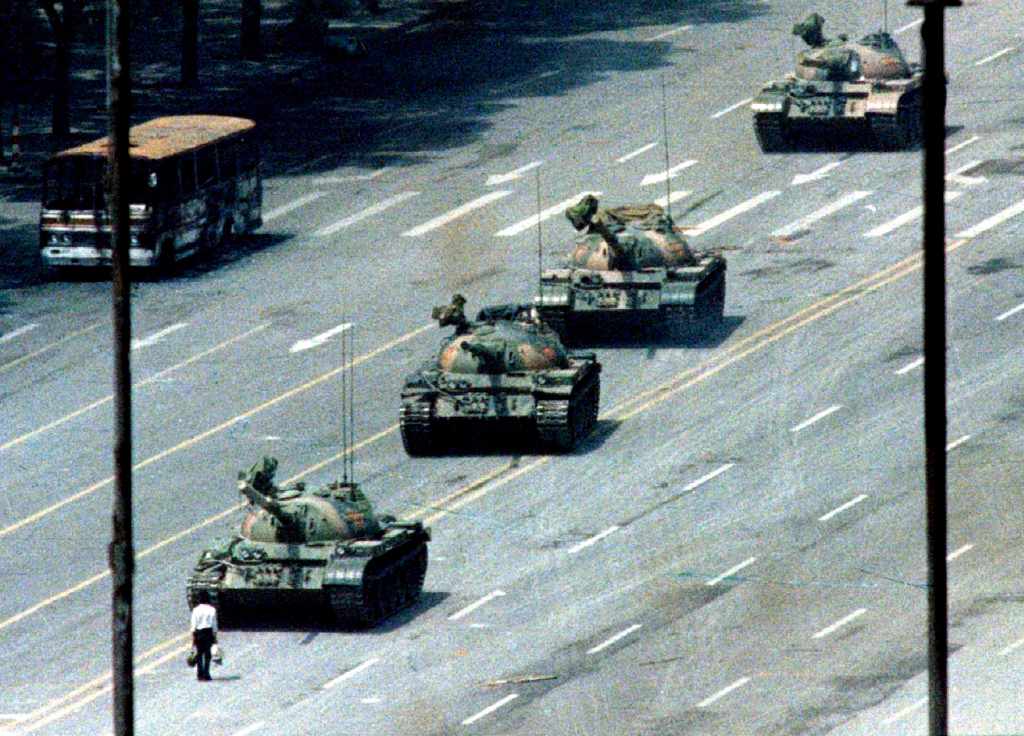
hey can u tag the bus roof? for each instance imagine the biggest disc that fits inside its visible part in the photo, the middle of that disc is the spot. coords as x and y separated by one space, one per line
168 136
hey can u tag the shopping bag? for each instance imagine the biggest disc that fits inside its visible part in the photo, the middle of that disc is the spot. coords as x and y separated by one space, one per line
217 654
192 657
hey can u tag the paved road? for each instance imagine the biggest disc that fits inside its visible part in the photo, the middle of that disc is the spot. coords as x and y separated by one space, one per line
738 549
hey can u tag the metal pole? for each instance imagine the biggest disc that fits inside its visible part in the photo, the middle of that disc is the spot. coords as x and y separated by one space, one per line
122 555
934 318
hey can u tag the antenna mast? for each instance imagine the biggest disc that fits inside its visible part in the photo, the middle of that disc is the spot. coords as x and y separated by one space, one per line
885 16
348 473
664 135
540 241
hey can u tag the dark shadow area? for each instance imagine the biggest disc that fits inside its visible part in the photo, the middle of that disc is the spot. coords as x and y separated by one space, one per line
320 621
848 139
470 439
224 678
226 256
698 334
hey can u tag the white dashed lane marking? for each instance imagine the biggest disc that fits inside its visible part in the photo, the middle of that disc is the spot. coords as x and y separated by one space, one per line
900 714
370 211
1010 312
291 206
593 540
320 339
820 214
957 442
668 33
908 26
460 211
494 179
475 605
736 106
990 222
675 197
351 673
840 623
905 219
533 220
490 709
816 418
662 176
996 55
916 363
145 342
730 213
732 571
959 551
710 700
634 154
848 505
611 640
16 333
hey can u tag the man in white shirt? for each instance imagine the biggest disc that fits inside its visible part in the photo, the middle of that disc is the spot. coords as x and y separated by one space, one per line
204 633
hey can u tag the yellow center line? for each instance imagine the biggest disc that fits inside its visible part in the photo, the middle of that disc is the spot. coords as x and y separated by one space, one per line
196 439
145 382
51 346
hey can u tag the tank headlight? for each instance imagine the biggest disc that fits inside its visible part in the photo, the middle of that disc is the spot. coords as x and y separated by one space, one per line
855 66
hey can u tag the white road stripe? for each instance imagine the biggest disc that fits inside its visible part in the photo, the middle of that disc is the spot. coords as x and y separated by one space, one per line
905 712
816 418
634 154
1011 648
956 553
840 623
8 336
844 507
157 336
512 175
957 177
957 442
705 478
732 571
532 220
456 213
663 176
908 26
250 729
594 539
672 32
996 55
351 673
293 205
731 213
723 692
905 219
490 709
370 701
830 209
473 606
962 144
320 339
917 363
991 222
676 196
1009 313
362 215
611 640
347 179
729 109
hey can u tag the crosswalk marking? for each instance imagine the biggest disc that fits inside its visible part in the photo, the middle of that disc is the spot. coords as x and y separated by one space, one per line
731 213
845 201
550 212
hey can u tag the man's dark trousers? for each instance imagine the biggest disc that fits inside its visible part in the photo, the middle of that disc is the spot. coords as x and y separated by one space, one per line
203 640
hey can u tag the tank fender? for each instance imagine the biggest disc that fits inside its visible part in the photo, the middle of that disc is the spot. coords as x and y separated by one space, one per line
345 570
554 295
771 100
884 102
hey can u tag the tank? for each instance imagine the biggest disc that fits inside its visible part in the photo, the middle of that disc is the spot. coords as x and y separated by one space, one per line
312 550
841 87
629 264
506 375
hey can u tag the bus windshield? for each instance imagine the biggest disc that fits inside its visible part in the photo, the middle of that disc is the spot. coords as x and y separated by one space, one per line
77 183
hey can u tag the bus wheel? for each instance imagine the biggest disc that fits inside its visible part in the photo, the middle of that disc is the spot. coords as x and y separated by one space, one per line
226 233
166 261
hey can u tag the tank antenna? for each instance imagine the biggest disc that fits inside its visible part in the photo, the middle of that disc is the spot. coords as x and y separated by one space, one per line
350 454
664 135
344 409
885 16
540 240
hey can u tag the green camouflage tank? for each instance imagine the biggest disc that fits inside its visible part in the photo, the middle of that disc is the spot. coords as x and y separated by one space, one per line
842 86
508 374
312 549
630 264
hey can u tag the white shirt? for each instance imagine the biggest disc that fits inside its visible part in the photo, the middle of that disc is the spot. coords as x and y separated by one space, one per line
204 616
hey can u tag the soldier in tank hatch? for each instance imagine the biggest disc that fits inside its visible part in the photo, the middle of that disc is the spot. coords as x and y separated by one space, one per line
453 314
203 625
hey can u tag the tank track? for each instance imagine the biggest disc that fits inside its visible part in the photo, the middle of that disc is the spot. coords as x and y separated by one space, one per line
418 428
899 131
772 134
390 583
562 423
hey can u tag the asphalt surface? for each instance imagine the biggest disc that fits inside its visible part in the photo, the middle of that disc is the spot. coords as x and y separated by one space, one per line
739 548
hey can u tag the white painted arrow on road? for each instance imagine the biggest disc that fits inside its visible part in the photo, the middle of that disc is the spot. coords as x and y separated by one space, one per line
512 175
320 339
819 173
157 336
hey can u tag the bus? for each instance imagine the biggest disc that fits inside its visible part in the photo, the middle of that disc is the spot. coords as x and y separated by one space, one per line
195 183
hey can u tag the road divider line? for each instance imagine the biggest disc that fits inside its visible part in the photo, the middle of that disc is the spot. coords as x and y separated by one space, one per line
848 505
996 55
730 213
670 173
495 179
995 220
145 342
731 571
1010 312
460 211
476 604
673 197
634 154
291 206
840 623
959 551
820 214
351 673
370 211
671 32
139 384
908 26
318 340
47 348
196 439
533 220
957 442
816 418
962 144
900 714
490 709
736 106
711 699
916 363
1011 648
612 639
14 334
594 539
905 219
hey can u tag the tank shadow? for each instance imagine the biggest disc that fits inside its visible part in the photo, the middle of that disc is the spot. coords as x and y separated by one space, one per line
696 335
850 141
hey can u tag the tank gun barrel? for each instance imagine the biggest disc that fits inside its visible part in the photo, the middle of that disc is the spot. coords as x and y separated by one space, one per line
491 358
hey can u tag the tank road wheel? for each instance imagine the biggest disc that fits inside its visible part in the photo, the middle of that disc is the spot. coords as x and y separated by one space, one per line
418 428
772 133
902 130
562 424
